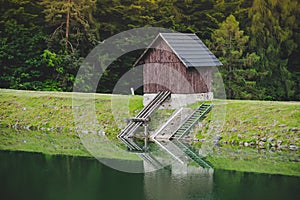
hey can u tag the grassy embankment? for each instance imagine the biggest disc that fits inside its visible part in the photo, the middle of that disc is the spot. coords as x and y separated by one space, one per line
44 122
258 123
256 160
49 117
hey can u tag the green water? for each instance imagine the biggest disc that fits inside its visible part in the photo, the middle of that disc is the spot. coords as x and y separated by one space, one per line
36 176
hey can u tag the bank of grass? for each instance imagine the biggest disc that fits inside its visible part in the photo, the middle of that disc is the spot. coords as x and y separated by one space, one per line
49 117
245 121
44 122
50 143
52 111
255 160
54 143
268 123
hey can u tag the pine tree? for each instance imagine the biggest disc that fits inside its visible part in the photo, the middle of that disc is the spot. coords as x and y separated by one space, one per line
230 45
272 35
72 22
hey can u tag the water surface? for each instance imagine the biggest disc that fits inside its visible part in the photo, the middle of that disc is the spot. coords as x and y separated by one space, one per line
37 176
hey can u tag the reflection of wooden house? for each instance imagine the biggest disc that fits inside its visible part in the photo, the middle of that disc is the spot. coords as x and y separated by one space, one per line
180 63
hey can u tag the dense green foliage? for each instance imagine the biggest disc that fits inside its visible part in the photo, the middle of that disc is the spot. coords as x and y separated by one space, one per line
42 43
229 45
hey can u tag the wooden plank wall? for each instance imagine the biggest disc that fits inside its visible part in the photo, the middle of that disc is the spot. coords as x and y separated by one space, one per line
164 71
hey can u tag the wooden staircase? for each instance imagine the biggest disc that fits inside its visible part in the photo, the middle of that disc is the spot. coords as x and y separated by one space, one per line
191 121
173 143
144 114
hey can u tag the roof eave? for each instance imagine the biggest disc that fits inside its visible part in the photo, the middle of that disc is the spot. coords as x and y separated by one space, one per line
160 35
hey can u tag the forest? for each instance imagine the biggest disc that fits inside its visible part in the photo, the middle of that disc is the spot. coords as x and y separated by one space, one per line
43 42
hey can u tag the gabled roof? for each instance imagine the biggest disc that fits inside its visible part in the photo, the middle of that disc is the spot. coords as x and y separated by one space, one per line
188 48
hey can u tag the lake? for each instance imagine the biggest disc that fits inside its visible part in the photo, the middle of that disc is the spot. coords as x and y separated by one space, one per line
38 176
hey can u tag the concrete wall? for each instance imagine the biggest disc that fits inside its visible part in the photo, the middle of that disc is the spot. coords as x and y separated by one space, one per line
180 100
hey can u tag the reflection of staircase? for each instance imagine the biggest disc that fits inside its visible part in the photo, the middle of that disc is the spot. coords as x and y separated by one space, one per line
144 114
168 137
145 156
191 121
172 150
131 145
148 158
191 153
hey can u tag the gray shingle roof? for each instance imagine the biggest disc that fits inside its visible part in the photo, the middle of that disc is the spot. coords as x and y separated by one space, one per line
190 49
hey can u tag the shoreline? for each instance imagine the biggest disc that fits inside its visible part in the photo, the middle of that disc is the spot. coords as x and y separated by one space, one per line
232 158
48 116
249 123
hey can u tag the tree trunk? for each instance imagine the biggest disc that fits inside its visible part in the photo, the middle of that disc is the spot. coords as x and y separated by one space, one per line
68 23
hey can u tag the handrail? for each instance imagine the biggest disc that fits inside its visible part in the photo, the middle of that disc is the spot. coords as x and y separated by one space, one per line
195 121
145 113
203 109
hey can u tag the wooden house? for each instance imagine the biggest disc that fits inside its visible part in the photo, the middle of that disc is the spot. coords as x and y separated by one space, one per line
180 63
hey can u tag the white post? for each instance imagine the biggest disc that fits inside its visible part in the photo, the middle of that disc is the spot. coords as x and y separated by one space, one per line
132 91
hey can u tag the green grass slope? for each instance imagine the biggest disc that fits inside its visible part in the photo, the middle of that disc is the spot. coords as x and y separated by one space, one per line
49 119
